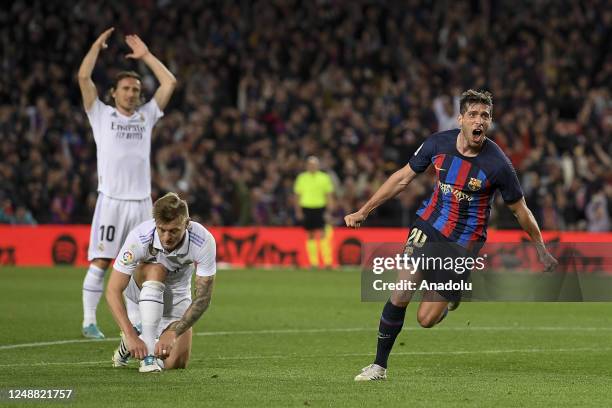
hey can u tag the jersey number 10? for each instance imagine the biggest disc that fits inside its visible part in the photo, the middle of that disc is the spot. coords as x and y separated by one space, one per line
110 233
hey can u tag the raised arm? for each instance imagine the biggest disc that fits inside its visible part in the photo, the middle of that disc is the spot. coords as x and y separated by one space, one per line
528 223
395 184
88 88
167 81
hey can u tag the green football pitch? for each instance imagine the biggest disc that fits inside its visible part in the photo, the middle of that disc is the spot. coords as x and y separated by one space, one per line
297 338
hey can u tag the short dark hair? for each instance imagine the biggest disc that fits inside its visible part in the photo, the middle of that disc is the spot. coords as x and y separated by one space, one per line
170 207
125 74
471 97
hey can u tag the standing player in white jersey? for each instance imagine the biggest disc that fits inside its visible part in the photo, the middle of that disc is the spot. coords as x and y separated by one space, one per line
123 139
154 269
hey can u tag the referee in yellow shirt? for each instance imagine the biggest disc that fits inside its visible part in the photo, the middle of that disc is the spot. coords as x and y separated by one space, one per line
314 190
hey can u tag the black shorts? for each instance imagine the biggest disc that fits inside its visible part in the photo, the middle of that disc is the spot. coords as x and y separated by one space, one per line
313 218
443 261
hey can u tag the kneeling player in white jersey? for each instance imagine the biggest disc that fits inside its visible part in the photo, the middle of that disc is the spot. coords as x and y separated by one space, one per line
154 269
123 140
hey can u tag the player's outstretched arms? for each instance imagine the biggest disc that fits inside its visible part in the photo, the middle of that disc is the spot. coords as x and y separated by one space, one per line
88 88
203 293
114 297
167 81
528 223
395 184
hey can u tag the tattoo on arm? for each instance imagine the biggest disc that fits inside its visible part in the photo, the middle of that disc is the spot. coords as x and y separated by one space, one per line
203 293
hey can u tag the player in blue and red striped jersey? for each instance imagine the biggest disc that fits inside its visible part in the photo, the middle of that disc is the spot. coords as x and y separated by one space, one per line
453 222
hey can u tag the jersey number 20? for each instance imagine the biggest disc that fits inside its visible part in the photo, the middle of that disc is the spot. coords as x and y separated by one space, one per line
417 237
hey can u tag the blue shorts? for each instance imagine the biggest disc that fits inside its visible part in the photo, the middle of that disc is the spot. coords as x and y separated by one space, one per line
443 261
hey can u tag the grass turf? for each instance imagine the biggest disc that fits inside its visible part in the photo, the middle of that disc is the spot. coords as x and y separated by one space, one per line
297 338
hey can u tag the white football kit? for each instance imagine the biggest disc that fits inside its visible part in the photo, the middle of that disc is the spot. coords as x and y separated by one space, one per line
197 252
123 146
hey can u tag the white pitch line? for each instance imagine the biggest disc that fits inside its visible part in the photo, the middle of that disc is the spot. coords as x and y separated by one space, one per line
286 331
55 343
363 329
500 351
44 364
217 333
419 353
341 355
321 330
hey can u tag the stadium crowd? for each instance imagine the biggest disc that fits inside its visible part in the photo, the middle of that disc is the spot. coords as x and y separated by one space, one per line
264 84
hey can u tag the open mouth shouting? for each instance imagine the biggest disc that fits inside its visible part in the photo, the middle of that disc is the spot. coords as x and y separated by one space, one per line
478 135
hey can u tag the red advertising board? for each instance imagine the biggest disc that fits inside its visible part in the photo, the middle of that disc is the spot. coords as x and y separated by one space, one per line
239 246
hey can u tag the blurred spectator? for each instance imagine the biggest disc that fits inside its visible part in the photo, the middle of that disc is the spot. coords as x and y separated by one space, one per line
446 112
62 205
358 83
597 214
7 216
23 216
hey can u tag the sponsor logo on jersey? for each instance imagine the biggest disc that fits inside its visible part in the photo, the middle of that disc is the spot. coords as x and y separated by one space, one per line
459 195
127 131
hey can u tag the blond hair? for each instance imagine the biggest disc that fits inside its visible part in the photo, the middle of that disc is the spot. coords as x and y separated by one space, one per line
170 207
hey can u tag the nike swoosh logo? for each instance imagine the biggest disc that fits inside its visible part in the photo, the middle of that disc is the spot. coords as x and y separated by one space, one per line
439 168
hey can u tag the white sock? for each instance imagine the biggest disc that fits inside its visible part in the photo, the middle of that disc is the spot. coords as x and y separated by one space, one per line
151 306
133 311
93 286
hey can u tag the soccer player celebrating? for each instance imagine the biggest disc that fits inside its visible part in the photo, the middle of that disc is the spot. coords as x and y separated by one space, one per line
123 138
154 269
469 168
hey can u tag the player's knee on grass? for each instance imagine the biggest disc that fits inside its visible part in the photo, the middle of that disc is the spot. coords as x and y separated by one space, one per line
178 362
179 357
150 272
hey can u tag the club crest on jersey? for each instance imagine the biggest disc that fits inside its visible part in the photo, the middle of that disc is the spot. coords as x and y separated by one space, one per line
474 184
142 118
127 258
100 247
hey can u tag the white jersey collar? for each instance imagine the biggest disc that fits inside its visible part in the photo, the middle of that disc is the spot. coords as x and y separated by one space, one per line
137 114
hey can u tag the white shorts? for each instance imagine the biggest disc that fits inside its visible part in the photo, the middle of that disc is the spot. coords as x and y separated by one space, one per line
175 304
113 220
